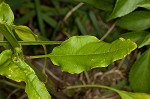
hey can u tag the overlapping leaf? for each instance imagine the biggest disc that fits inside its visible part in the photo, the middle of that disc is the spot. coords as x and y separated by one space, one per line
81 53
140 73
16 69
123 7
137 21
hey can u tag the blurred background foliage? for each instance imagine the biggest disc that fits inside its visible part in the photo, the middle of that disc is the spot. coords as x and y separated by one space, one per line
57 20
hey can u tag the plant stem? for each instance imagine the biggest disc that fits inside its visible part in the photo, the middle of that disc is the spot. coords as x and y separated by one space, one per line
2 43
39 56
109 31
91 86
71 11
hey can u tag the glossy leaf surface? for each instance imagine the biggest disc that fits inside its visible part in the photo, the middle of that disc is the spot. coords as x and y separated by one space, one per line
25 33
146 41
140 73
100 4
6 14
81 53
123 7
16 69
137 21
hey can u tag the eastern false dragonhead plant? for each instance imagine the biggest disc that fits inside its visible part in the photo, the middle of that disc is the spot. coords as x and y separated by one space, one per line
72 55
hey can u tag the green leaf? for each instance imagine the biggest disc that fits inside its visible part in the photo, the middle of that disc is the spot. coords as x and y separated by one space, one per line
145 4
16 69
124 7
138 20
146 41
100 4
136 36
140 73
129 95
25 33
80 53
6 14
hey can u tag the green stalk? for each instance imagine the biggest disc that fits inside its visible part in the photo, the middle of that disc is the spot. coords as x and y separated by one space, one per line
39 56
7 32
3 43
91 86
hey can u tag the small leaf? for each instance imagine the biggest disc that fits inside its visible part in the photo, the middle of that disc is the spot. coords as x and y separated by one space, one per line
136 36
81 53
124 7
100 4
6 14
146 41
16 69
138 20
140 73
25 33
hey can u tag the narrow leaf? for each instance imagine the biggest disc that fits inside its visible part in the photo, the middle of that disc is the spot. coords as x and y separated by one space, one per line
137 21
124 7
25 33
146 41
6 14
140 73
81 53
100 4
16 69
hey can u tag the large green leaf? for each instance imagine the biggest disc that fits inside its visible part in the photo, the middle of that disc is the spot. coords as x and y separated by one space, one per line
80 53
16 69
146 41
138 20
140 73
136 36
100 4
123 7
25 33
6 14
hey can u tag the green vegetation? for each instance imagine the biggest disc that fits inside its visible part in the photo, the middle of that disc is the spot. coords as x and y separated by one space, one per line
98 33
